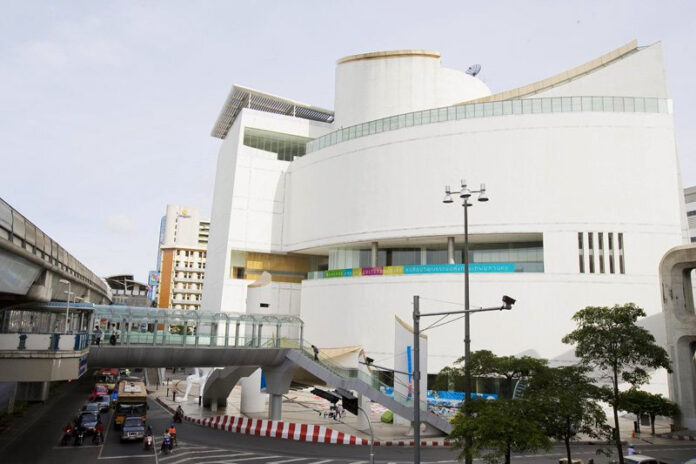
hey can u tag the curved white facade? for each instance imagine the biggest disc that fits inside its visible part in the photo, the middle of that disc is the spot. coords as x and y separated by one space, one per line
375 85
559 167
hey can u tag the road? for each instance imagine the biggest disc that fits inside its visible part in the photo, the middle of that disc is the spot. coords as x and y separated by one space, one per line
198 445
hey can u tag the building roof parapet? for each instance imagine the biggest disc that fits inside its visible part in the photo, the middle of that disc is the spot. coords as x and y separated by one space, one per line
513 107
564 76
243 97
389 54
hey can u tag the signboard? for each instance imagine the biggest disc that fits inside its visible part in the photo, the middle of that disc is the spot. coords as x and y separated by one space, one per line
415 269
152 278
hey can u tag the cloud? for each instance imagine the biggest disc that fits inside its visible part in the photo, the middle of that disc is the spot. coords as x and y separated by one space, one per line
120 223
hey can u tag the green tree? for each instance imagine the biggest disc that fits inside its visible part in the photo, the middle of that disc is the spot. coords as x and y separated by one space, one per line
497 428
567 401
510 368
609 342
660 406
448 375
640 402
635 401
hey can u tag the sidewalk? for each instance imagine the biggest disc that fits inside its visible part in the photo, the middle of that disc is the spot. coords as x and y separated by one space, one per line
300 407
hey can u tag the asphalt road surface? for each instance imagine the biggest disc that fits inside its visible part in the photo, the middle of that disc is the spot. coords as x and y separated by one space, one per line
41 444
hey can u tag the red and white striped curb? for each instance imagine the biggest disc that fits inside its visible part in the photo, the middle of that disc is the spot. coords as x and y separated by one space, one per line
291 430
676 436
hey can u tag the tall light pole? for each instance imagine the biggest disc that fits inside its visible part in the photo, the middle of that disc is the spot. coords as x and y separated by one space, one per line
465 194
67 306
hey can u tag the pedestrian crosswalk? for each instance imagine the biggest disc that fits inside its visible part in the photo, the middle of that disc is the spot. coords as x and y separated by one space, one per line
189 453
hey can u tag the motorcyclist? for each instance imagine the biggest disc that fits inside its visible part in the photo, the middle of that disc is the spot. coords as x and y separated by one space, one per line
98 433
178 414
148 439
172 433
166 443
68 431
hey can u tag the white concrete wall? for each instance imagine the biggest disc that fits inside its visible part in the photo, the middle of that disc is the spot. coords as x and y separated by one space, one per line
542 315
379 87
551 173
248 205
638 74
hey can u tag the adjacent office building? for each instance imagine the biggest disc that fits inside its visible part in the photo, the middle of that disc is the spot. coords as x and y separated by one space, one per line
344 207
690 200
181 258
127 291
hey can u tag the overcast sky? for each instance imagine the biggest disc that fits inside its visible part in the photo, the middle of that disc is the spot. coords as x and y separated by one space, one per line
106 107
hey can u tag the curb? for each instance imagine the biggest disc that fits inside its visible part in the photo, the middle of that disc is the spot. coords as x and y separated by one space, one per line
677 436
291 430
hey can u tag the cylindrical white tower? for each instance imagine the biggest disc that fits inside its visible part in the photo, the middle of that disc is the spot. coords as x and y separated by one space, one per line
375 85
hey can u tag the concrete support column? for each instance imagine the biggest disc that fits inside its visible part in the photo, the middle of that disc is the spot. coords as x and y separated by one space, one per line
275 405
252 400
450 250
373 255
361 420
214 405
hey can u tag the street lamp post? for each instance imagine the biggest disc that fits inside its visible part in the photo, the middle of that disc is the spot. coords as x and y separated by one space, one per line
465 194
67 306
372 436
507 305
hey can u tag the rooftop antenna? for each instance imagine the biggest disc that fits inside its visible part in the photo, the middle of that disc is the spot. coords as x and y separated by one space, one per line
474 69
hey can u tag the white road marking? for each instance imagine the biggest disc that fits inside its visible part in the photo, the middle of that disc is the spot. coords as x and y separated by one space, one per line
286 460
320 462
254 458
127 456
228 455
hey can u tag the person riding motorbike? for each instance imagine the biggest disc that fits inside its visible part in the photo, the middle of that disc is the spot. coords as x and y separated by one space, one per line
98 437
68 431
172 433
166 443
178 414
148 439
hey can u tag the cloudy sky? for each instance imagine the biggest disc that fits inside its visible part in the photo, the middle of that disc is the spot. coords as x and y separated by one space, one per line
106 107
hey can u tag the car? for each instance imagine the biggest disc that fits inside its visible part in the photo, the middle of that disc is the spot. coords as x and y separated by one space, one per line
104 402
88 420
90 407
133 428
98 390
641 459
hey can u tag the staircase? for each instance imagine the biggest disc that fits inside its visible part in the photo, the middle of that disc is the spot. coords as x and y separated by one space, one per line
364 384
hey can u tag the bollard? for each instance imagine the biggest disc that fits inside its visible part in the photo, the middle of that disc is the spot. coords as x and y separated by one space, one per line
199 400
174 395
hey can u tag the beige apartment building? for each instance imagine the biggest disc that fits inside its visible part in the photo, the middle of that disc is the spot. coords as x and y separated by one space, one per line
181 259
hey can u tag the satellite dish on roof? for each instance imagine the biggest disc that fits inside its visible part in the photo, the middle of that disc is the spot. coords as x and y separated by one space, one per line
474 69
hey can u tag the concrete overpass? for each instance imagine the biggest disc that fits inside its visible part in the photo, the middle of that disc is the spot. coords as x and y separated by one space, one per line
32 266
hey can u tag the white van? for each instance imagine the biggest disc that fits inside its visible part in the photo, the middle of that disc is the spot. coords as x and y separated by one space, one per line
641 459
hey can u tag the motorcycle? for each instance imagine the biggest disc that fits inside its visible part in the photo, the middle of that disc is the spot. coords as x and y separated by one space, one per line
97 438
178 417
79 437
67 435
167 445
147 442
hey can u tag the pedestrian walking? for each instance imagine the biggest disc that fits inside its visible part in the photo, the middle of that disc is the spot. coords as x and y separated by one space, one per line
316 352
97 335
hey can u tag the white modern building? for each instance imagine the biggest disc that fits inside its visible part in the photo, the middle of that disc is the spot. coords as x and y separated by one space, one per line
344 207
181 258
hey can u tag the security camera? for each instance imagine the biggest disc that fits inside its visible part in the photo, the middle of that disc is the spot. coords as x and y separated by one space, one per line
508 302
